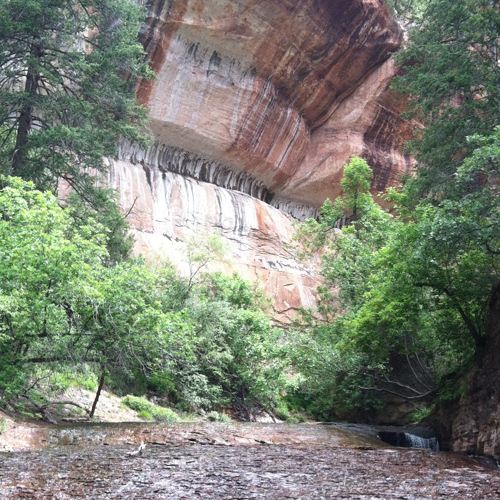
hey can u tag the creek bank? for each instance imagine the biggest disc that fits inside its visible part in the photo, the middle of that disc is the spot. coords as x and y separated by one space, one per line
224 461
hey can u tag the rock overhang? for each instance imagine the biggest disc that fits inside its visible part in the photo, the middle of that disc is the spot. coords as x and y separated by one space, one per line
256 107
255 85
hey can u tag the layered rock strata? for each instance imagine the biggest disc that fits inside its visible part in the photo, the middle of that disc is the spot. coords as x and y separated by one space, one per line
170 211
256 107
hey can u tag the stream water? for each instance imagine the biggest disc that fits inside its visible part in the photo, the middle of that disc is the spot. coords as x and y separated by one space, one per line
226 461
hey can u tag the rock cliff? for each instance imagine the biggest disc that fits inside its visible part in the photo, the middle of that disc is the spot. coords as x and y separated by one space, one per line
475 427
256 107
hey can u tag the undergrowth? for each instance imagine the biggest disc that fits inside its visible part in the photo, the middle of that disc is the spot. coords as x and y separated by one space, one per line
146 409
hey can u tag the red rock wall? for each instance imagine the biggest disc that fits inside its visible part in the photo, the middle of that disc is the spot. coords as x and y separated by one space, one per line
255 84
170 211
275 95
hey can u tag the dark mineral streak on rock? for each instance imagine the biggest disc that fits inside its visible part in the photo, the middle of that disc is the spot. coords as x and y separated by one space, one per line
264 97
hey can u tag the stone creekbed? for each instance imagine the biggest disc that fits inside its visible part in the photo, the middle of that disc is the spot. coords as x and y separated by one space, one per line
208 461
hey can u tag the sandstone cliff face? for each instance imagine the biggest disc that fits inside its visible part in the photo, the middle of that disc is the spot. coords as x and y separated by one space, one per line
476 425
256 107
170 211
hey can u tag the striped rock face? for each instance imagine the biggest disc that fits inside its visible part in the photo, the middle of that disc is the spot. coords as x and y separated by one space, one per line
256 107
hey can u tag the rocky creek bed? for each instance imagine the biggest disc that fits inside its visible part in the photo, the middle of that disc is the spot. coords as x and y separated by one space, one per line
226 461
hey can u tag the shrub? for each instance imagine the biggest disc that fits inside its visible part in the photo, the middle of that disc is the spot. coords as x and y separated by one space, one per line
143 406
215 416
282 412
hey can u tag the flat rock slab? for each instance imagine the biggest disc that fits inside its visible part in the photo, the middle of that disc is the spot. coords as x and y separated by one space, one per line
198 461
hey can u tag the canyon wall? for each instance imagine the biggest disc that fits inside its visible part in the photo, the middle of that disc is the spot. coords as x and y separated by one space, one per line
475 425
256 107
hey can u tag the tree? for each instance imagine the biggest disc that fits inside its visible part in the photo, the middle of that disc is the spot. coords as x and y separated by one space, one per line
44 261
452 81
243 352
62 305
407 297
230 355
451 78
67 78
347 254
407 9
206 342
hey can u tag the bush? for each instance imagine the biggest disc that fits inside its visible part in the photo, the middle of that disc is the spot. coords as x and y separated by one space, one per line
420 414
282 412
142 405
215 416
145 415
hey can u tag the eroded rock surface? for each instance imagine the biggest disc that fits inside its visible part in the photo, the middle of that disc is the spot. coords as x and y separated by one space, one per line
269 98
236 462
246 82
171 210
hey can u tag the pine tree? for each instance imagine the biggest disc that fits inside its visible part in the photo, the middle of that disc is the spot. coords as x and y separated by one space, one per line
68 69
452 79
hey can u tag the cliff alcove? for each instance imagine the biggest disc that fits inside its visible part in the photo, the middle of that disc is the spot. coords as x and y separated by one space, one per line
256 107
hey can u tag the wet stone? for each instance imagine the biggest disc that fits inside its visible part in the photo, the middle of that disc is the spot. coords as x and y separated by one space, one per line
298 462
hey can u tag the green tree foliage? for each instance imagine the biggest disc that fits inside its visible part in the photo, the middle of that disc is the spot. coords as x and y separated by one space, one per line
327 352
66 91
203 343
403 295
407 297
68 70
60 302
347 253
101 205
451 77
234 357
405 9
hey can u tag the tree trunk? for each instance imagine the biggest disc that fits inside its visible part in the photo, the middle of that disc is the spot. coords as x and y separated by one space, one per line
98 393
26 116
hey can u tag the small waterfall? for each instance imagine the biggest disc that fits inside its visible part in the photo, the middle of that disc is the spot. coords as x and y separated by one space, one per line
403 439
413 441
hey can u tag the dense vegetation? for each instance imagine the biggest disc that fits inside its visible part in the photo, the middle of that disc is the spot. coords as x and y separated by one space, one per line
407 294
73 304
199 343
